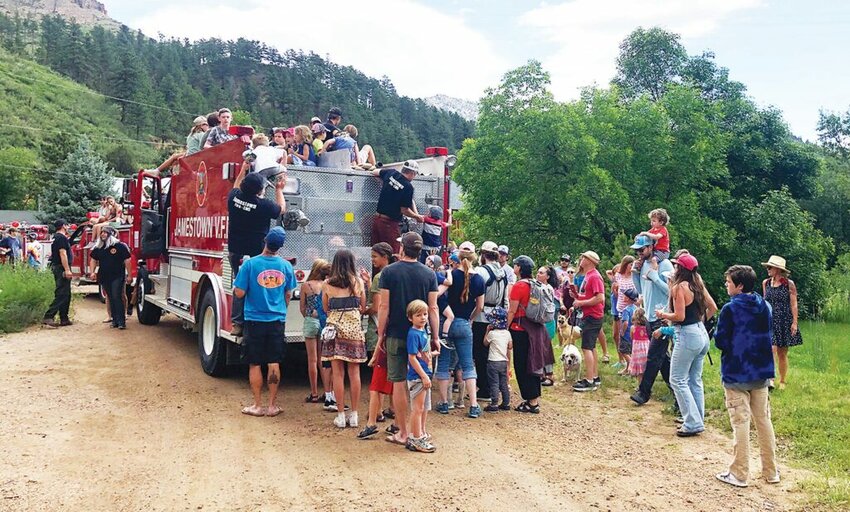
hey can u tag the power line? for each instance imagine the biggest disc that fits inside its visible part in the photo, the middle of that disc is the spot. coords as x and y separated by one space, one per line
59 131
89 91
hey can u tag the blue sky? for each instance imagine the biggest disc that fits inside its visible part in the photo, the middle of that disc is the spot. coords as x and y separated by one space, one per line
791 54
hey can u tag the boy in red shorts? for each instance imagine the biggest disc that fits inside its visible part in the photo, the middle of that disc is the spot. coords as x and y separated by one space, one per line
378 387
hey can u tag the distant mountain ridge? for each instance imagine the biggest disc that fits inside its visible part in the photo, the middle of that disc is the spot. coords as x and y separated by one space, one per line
464 108
86 12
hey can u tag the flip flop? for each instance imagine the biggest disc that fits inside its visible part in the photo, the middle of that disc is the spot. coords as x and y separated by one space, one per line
394 440
253 410
273 411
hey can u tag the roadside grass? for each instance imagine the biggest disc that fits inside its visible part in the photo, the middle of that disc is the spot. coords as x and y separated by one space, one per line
811 416
24 296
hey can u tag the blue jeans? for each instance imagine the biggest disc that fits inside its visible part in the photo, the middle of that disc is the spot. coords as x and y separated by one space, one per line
686 374
461 334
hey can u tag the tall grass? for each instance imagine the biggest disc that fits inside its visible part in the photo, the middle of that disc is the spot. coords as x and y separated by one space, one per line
24 296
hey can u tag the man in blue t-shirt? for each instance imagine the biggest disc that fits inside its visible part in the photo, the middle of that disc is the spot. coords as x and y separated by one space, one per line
265 282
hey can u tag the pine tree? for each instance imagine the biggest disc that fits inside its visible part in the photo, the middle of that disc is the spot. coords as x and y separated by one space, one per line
81 180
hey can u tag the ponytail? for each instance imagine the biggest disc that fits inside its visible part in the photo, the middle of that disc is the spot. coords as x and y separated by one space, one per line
466 266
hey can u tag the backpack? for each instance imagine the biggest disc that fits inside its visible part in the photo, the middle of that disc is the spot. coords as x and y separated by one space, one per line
541 303
500 301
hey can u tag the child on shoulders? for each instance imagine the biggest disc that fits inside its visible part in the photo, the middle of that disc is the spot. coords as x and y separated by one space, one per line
658 221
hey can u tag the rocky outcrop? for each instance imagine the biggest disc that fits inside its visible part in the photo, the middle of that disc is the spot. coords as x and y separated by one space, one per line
464 108
86 12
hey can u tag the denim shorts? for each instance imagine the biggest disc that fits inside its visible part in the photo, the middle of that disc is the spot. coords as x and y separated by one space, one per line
311 327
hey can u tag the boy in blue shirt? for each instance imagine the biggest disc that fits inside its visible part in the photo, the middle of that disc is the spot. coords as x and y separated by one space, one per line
419 376
265 282
744 336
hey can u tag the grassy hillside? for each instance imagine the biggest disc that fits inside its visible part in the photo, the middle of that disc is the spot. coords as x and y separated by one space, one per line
41 110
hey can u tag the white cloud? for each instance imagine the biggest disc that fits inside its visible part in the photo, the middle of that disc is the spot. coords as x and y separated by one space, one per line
584 35
422 50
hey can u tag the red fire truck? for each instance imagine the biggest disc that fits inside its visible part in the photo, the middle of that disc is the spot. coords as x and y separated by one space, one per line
179 235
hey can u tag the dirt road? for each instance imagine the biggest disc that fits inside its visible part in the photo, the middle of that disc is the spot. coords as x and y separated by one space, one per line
98 419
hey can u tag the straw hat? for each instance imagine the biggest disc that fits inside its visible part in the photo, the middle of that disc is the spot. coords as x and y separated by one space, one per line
776 262
592 256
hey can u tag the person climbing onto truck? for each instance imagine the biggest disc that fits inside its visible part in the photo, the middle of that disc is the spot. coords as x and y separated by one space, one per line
250 217
395 201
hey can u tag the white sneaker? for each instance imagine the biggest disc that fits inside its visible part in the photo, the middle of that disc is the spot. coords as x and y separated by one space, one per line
774 479
353 420
339 421
730 479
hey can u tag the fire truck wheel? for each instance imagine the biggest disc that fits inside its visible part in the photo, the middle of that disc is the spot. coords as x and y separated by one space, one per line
147 313
211 347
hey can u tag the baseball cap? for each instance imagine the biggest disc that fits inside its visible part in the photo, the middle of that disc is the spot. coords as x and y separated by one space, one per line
631 293
641 242
435 212
252 184
592 256
334 111
318 128
411 240
467 246
489 246
566 257
315 119
410 165
687 261
275 238
503 249
60 223
454 257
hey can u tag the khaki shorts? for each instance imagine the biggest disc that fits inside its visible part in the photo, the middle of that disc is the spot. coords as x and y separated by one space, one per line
396 359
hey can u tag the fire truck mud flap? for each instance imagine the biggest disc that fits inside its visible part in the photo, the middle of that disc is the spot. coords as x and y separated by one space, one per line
147 312
211 347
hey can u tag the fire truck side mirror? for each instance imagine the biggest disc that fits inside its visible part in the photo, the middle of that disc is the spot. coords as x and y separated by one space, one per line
129 187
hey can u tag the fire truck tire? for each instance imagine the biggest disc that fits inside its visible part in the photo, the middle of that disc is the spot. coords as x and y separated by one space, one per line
211 347
147 313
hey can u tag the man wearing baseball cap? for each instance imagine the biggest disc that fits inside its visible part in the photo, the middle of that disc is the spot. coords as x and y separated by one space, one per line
401 283
332 124
590 298
394 202
651 283
60 264
496 293
265 284
504 261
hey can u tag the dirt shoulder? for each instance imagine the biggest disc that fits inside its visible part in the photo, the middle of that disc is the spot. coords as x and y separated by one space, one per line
98 419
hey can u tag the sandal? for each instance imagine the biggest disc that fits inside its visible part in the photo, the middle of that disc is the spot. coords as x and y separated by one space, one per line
392 430
388 413
547 382
253 410
527 407
312 399
381 418
394 440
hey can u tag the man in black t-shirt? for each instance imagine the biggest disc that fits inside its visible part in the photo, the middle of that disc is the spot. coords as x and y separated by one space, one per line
332 124
250 217
113 270
401 283
60 264
395 201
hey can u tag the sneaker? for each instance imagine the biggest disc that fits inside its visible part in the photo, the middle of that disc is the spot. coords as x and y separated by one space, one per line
606 359
353 420
442 408
446 344
597 383
774 479
368 432
421 445
618 364
729 478
492 408
583 386
339 420
474 411
330 405
49 322
65 323
638 398
451 406
505 407
460 405
680 420
455 388
122 327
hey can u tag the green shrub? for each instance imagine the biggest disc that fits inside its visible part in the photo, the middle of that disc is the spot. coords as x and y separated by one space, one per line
24 296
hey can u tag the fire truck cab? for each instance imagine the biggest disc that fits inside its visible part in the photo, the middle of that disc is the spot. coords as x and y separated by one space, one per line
179 235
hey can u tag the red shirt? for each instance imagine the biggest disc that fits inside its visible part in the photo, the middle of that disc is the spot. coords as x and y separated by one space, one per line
663 243
521 292
590 287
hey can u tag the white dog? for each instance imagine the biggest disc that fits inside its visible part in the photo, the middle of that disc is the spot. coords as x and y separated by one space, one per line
571 359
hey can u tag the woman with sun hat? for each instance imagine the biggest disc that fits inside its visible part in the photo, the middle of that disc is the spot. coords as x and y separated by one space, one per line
781 293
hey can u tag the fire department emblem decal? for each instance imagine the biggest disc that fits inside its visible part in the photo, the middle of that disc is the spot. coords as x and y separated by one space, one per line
201 184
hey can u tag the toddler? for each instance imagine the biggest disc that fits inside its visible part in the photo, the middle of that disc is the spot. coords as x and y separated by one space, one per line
499 358
658 221
625 347
419 376
432 233
444 282
640 344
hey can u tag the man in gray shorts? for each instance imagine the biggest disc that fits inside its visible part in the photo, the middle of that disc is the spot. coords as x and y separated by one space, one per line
401 283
